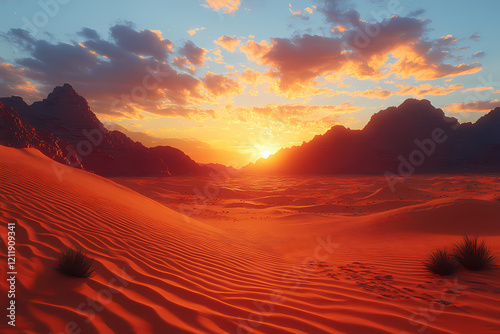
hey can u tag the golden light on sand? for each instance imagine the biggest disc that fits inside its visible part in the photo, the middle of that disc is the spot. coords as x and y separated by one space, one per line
265 154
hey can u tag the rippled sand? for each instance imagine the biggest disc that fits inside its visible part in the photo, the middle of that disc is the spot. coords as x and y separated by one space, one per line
244 254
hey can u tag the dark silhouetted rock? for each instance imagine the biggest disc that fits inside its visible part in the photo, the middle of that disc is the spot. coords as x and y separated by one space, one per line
67 117
16 131
412 138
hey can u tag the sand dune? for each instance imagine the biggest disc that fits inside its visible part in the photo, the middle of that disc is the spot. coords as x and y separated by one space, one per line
252 259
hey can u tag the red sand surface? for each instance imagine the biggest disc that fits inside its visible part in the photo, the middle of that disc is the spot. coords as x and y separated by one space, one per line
314 254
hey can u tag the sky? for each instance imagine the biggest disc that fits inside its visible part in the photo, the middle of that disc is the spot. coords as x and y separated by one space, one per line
232 81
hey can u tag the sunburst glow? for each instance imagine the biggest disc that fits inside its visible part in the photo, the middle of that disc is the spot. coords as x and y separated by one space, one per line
265 154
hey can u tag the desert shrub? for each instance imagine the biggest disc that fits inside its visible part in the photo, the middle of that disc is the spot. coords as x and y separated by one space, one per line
75 263
441 262
473 254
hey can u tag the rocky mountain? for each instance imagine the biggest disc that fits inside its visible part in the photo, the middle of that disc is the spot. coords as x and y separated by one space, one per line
412 138
71 133
16 131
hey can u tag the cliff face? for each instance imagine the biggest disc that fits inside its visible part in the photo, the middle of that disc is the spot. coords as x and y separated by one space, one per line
75 136
16 131
415 135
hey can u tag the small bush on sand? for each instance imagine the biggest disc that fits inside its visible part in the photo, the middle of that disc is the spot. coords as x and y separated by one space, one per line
75 263
474 255
441 262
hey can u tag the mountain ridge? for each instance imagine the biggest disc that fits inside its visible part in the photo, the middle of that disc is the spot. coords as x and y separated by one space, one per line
415 134
66 115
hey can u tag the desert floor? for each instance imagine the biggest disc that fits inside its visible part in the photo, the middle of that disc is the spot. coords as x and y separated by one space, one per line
246 254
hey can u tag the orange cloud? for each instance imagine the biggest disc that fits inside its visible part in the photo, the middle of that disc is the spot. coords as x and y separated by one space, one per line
299 116
250 76
192 32
219 58
476 89
294 13
423 64
475 106
194 54
306 62
373 93
427 89
310 10
296 63
219 85
180 62
14 82
338 28
227 6
416 91
229 43
255 51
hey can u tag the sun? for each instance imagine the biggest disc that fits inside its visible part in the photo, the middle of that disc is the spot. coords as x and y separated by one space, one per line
265 154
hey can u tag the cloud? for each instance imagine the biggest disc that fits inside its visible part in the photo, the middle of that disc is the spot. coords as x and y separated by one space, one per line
88 33
475 106
13 82
298 61
476 89
120 77
250 76
220 85
361 49
427 89
229 43
173 110
414 91
425 61
475 37
336 13
338 28
310 10
194 54
255 51
372 93
291 11
144 42
293 115
192 32
416 13
479 54
226 6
